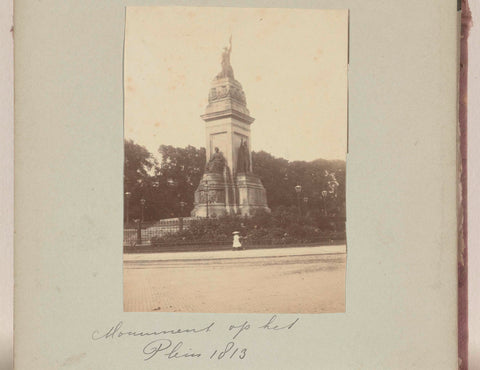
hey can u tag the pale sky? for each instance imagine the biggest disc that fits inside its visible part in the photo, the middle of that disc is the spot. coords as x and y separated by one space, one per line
292 65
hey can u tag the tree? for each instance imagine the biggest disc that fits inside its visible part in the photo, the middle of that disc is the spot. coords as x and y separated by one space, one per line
139 166
179 175
271 171
279 177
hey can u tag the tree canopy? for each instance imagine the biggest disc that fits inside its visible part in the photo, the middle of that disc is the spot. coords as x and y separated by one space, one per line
167 184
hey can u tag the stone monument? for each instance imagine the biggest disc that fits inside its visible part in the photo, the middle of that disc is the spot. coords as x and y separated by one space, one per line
228 185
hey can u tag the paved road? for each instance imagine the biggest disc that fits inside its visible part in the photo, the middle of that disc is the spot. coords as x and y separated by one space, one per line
295 280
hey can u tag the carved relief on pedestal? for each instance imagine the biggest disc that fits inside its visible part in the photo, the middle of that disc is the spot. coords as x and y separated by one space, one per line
255 196
200 197
212 95
214 196
224 91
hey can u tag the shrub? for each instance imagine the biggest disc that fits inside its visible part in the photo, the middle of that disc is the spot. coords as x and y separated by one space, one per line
283 226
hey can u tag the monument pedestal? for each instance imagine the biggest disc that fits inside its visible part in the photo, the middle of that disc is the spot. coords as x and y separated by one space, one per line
217 195
251 194
214 196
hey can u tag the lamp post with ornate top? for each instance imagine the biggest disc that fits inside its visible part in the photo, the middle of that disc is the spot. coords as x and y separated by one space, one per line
180 219
206 196
305 202
298 190
142 202
324 196
127 210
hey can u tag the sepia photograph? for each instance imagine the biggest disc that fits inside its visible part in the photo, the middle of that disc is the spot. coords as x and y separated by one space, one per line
235 143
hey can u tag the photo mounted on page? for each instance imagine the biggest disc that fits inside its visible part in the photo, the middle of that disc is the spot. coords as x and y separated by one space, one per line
235 145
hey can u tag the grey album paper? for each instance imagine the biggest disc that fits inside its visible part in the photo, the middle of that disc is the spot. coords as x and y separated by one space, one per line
399 303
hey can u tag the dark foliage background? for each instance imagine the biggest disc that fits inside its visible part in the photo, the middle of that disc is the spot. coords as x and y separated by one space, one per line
164 185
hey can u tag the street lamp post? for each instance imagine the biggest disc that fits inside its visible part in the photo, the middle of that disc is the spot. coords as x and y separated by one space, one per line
140 221
206 186
127 197
182 204
305 201
324 196
298 190
142 201
139 231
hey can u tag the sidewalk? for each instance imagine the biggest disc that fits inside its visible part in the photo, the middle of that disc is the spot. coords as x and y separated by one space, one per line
246 253
281 280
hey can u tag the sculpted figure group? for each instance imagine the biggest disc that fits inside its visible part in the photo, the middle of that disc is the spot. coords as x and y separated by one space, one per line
243 158
227 70
216 162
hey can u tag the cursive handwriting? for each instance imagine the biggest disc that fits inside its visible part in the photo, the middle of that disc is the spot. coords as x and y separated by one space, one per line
161 345
241 327
269 325
166 347
115 332
229 347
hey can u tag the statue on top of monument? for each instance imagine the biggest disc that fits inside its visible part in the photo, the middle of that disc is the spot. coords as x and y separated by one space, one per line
243 158
227 70
216 162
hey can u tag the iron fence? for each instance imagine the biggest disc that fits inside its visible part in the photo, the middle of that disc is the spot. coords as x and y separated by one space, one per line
142 233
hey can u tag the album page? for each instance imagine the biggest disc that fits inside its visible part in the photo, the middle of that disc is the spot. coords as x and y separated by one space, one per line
213 186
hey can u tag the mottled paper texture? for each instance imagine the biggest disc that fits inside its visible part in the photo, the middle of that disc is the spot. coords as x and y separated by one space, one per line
401 206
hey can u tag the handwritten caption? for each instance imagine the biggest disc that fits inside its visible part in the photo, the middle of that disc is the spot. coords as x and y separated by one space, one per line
165 345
